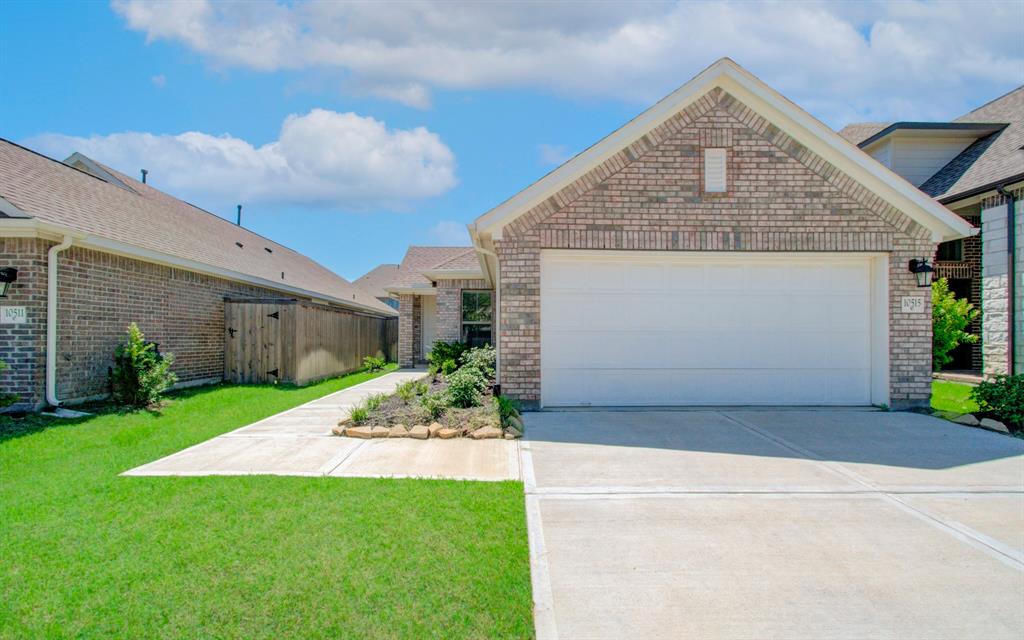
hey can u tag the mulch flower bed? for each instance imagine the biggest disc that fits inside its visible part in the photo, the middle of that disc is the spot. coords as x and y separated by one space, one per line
396 418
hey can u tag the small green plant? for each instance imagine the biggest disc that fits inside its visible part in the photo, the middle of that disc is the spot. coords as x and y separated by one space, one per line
359 414
407 391
950 318
482 358
372 363
140 374
449 367
442 351
435 404
421 387
1003 397
507 407
7 399
464 387
373 402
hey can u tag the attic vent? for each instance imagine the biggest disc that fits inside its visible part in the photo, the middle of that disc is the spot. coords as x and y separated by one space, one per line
239 245
714 171
268 249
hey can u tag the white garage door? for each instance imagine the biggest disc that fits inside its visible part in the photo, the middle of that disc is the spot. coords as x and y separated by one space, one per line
643 328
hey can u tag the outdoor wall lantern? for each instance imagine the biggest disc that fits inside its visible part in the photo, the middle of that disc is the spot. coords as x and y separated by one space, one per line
7 276
923 271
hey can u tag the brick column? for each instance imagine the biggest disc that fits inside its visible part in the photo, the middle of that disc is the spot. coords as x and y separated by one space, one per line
406 351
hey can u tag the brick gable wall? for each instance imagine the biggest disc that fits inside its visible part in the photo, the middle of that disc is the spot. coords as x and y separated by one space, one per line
649 196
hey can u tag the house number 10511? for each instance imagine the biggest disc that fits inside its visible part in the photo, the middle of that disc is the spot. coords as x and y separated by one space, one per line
912 304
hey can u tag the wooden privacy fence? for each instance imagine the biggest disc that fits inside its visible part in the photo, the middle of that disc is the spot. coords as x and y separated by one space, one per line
268 340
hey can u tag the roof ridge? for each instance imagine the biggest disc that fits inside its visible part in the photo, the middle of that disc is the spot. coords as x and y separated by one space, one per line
46 157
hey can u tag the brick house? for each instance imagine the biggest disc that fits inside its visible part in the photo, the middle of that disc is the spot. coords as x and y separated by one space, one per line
118 251
973 165
443 296
723 247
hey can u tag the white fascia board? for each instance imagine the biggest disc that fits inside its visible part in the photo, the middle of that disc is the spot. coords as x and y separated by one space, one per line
36 228
416 291
454 274
797 123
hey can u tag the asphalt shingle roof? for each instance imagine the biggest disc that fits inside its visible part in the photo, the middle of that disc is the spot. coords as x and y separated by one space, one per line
149 219
990 159
860 131
375 280
420 259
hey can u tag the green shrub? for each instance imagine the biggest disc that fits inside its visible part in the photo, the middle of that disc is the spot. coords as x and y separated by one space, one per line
1003 397
482 358
371 363
140 374
464 387
373 402
407 391
7 399
359 414
507 407
442 351
421 387
950 317
448 367
435 404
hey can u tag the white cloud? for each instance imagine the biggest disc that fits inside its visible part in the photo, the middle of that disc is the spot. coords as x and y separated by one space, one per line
320 159
449 232
159 81
842 60
554 154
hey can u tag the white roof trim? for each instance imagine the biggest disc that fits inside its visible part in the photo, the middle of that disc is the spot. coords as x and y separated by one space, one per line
419 291
11 210
797 123
23 228
94 169
454 274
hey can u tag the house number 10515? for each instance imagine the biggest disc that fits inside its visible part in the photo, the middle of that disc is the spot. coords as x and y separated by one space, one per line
912 304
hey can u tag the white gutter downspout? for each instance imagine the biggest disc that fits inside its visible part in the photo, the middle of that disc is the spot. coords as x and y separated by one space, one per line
51 320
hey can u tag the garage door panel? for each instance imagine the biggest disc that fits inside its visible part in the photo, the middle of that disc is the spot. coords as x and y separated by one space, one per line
672 329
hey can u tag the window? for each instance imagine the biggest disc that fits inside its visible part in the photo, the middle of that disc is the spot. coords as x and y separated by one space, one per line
952 251
477 314
714 171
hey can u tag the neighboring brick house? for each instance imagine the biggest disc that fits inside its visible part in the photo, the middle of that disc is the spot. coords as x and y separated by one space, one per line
442 295
724 247
964 164
375 282
128 252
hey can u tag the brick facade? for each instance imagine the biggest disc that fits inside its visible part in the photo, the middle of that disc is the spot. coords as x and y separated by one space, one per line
782 197
449 317
99 294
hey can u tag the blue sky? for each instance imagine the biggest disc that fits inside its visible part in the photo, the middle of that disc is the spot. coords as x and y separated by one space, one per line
350 131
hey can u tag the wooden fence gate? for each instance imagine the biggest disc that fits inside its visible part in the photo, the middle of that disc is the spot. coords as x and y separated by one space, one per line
270 340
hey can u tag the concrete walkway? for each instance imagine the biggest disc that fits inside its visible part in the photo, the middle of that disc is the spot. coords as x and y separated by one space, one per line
772 524
298 442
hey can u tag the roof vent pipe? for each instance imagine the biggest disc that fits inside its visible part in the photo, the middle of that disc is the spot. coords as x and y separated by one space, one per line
144 173
238 219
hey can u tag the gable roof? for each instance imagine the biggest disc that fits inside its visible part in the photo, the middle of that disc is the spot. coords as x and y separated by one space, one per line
421 262
374 281
989 161
134 219
759 97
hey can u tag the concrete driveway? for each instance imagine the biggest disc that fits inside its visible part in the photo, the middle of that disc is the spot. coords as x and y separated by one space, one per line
773 524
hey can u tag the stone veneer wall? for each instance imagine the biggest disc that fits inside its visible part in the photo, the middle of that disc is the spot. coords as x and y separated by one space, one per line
99 294
995 286
782 197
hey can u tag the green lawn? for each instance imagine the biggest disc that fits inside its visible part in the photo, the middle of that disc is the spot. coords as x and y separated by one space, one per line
86 553
952 396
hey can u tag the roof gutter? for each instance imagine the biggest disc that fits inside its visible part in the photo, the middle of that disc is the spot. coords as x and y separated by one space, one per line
991 186
51 320
1011 276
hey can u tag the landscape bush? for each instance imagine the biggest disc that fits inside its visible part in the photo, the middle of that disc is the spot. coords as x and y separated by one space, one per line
950 318
435 404
359 414
7 399
448 367
141 374
1003 397
372 363
443 351
465 386
407 391
482 359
